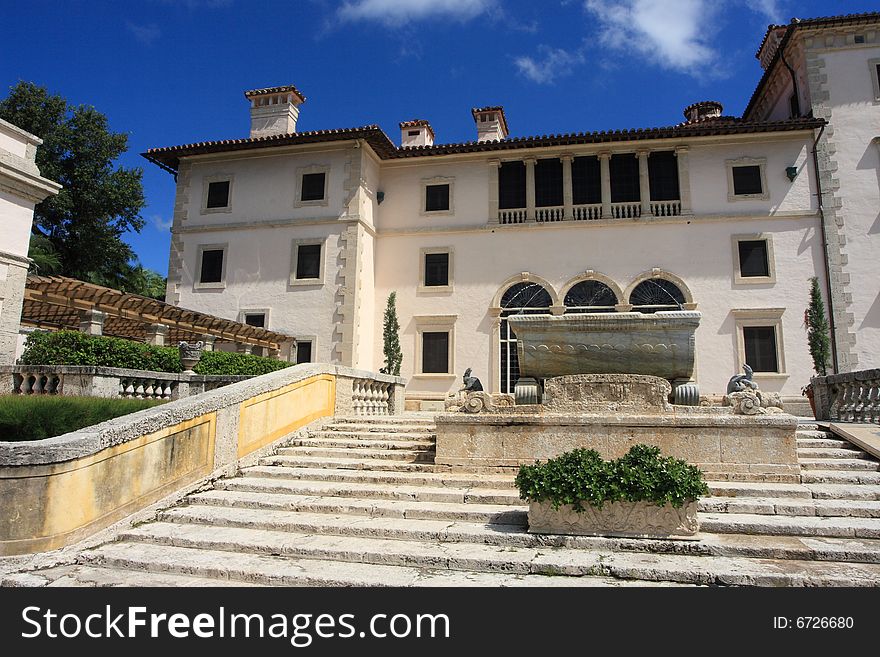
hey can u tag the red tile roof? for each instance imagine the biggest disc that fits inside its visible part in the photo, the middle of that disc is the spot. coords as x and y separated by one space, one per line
492 108
275 90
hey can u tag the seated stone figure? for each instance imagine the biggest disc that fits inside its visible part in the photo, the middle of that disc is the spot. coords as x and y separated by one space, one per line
742 382
470 398
471 383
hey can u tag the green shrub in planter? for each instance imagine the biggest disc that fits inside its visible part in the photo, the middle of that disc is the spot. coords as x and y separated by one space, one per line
230 363
581 477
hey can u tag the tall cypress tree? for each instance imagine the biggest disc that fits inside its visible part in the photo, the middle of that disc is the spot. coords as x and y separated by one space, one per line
391 339
817 329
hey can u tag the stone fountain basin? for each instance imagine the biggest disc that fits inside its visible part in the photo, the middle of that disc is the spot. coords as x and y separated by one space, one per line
659 344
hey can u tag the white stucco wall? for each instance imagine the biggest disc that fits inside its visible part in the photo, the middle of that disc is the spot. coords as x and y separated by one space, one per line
12 142
856 121
16 217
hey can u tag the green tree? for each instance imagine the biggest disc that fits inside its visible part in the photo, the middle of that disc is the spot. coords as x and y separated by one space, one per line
818 337
391 339
100 200
42 252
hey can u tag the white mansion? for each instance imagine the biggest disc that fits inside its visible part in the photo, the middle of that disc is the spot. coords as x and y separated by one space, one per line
307 233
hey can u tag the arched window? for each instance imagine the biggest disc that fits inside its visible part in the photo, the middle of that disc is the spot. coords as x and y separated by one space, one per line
590 297
520 298
655 294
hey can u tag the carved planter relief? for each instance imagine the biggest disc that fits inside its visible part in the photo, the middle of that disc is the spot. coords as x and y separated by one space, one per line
628 519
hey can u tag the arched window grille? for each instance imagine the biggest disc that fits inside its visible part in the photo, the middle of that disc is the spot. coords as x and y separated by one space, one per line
590 297
520 298
656 294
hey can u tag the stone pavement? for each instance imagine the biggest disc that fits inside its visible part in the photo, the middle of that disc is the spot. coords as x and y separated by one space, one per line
361 503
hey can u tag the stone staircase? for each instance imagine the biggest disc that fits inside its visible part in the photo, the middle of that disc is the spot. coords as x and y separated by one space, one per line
360 503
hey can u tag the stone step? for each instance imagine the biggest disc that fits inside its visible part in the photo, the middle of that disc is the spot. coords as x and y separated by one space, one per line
581 566
807 443
418 436
388 420
405 455
746 523
90 576
850 465
273 479
442 532
791 507
823 491
448 479
753 477
831 453
840 477
268 569
351 443
328 463
803 432
266 497
758 489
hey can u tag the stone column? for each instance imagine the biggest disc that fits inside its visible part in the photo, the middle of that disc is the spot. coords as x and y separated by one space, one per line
243 348
684 179
11 300
494 166
530 188
156 334
605 173
91 322
209 341
644 183
567 192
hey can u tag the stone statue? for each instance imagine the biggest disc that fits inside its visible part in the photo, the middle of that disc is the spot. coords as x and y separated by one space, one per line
471 383
742 382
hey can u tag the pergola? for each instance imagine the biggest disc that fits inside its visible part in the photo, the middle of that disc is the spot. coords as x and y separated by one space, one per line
57 302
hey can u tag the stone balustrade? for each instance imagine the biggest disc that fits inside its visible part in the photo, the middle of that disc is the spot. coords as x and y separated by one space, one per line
371 397
849 397
627 210
590 212
513 216
666 208
553 213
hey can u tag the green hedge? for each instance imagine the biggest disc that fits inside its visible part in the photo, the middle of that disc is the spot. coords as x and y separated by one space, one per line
33 417
75 348
582 477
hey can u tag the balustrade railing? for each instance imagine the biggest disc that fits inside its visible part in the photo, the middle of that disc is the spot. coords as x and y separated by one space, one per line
627 210
666 208
591 212
35 382
516 216
371 397
146 388
553 213
850 397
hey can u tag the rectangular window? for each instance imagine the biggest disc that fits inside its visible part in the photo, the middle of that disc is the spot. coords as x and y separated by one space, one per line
435 352
586 181
753 258
255 319
303 351
512 185
436 269
624 178
308 261
413 133
747 180
436 198
663 176
548 183
312 187
760 348
218 194
211 269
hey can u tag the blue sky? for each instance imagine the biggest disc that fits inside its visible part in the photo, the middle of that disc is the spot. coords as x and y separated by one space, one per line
173 71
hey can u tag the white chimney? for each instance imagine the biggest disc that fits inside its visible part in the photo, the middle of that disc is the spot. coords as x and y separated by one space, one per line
703 111
274 110
491 123
417 132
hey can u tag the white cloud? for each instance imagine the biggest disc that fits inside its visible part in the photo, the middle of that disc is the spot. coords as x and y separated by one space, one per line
160 223
771 10
674 33
552 63
400 12
146 34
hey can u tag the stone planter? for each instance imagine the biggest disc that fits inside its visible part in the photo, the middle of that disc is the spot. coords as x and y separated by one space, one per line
629 519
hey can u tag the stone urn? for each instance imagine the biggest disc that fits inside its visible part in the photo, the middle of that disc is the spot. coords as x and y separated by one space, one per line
190 354
627 519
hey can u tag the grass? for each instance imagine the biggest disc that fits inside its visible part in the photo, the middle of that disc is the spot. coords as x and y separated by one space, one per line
34 417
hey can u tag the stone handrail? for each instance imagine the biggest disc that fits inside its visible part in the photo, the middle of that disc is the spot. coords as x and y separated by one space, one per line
514 216
552 213
590 212
110 470
849 397
666 208
94 381
626 210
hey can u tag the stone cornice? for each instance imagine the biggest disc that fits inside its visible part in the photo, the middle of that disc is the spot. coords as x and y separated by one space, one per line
27 185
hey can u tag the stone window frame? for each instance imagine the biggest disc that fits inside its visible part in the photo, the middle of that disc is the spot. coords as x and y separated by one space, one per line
657 272
312 168
243 312
313 339
437 180
294 258
760 162
436 289
197 274
206 182
769 317
738 278
875 77
434 324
